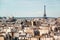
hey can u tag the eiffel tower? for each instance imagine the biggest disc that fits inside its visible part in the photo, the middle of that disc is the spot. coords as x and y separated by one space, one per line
45 12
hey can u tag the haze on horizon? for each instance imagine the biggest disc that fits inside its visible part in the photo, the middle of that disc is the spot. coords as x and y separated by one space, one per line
29 8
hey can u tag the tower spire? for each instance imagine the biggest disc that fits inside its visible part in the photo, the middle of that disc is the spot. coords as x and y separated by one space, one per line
44 11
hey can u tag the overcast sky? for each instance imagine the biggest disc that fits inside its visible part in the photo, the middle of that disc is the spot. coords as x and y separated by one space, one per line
29 8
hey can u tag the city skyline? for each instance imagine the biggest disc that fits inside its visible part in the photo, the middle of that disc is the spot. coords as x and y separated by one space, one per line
29 8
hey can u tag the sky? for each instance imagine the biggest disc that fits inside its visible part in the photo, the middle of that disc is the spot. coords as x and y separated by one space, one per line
29 8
